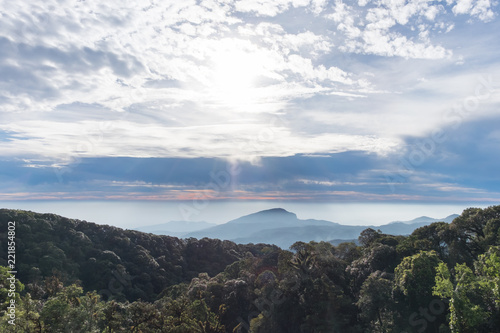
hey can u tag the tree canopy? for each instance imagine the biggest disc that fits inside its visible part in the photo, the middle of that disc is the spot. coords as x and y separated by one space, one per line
76 276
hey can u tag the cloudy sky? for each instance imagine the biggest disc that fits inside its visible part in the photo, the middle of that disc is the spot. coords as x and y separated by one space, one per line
305 100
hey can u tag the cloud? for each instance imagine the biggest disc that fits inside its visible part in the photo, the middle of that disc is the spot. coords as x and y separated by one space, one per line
243 81
480 9
263 8
230 140
173 178
460 162
274 7
343 176
379 42
386 28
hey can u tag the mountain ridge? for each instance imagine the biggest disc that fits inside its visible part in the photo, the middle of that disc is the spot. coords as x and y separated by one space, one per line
283 228
275 212
175 228
420 219
98 254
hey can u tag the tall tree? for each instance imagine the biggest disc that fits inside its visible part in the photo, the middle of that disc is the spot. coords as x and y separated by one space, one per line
413 286
375 302
474 297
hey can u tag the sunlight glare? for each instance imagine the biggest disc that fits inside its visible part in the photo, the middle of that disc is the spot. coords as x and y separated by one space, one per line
234 76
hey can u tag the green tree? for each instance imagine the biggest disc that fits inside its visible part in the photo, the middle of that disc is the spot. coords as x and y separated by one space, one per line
6 293
368 236
465 316
375 302
474 231
474 300
29 314
313 293
10 300
68 311
414 280
378 257
435 236
415 277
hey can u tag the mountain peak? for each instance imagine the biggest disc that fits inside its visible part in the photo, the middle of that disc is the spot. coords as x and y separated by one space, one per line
274 210
426 219
268 215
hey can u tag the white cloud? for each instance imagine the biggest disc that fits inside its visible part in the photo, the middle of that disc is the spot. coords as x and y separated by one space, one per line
305 68
432 12
478 8
380 42
462 7
341 12
377 27
176 78
274 7
318 6
226 140
262 7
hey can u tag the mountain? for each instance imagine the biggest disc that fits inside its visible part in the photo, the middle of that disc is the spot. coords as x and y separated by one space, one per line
282 228
285 237
426 219
257 223
175 228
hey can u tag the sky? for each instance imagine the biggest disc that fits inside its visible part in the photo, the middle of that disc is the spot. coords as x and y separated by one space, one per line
305 101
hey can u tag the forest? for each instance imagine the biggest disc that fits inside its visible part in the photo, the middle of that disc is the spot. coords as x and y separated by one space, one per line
76 276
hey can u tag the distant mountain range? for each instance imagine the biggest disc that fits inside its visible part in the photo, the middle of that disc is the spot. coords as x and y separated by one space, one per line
282 228
176 228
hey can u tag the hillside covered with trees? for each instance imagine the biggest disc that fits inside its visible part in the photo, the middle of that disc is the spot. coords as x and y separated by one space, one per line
76 276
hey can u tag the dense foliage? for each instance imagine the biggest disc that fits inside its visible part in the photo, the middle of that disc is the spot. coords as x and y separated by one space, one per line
82 277
124 264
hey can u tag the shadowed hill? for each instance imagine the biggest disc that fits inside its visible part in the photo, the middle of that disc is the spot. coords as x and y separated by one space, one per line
100 255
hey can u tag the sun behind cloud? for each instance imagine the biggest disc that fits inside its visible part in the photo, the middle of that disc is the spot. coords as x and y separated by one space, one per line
235 68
